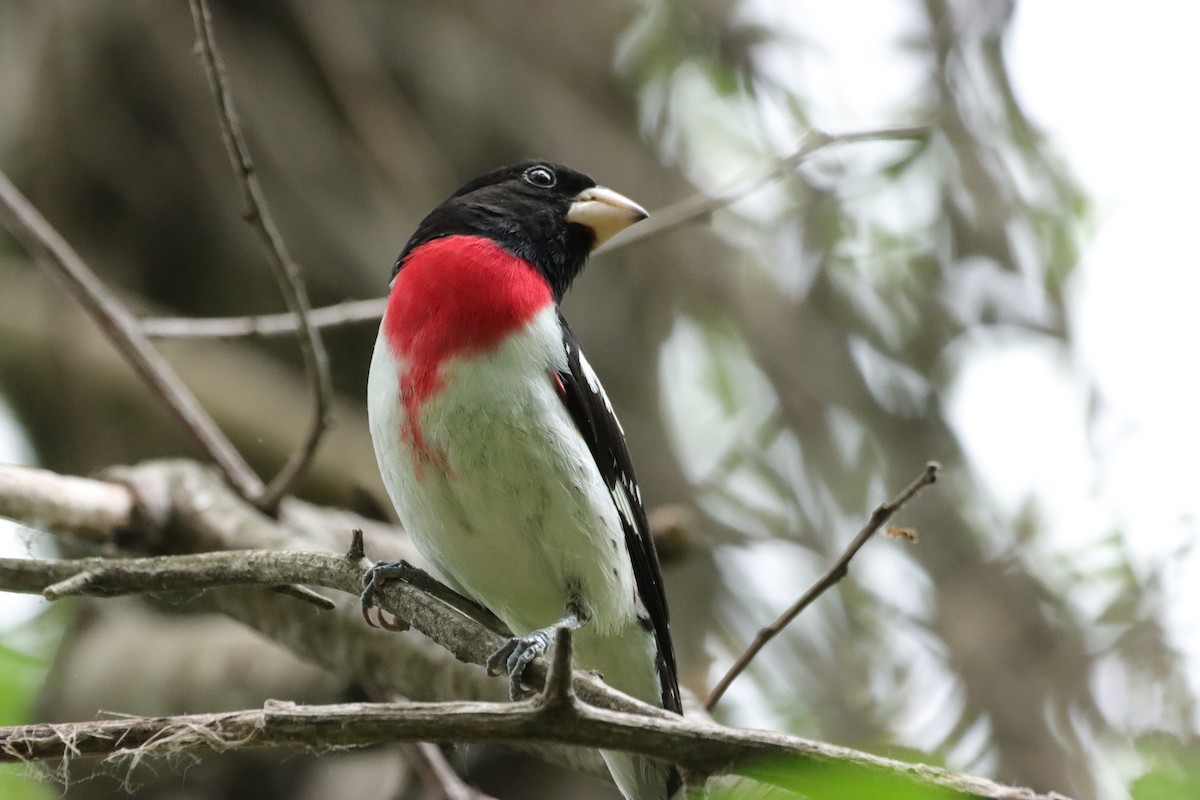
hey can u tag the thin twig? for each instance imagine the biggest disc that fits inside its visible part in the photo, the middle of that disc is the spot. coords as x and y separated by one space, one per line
264 325
287 273
835 573
435 772
664 219
121 327
305 595
702 205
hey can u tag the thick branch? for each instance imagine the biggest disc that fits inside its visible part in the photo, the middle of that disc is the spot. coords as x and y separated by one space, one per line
700 747
103 577
602 717
184 507
287 274
81 507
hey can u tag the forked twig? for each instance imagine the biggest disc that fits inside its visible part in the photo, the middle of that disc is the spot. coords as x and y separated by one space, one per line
41 239
835 573
287 273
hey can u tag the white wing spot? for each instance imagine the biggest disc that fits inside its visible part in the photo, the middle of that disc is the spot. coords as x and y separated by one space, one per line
593 383
620 496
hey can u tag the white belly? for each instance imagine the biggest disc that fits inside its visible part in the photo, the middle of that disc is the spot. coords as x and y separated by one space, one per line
510 509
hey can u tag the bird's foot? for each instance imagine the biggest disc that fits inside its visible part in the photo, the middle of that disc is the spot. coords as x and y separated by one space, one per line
372 580
515 655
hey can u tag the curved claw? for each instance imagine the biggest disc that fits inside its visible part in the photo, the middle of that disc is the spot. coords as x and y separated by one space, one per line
371 580
366 614
394 626
381 620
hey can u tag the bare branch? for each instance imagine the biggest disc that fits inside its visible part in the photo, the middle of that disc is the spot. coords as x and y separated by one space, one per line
287 273
602 717
186 507
77 506
121 327
439 777
697 746
665 219
305 595
350 312
702 205
106 577
835 573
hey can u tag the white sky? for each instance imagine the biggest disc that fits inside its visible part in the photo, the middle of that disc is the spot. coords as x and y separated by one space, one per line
1116 89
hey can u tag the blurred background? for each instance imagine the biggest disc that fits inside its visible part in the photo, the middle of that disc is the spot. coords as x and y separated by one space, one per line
1012 296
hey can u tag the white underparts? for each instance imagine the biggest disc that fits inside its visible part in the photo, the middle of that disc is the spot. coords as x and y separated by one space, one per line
513 511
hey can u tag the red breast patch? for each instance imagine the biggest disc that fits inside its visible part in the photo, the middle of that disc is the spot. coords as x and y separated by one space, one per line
454 296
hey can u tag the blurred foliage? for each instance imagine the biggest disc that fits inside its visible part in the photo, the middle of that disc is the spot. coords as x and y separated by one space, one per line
1173 769
809 342
24 662
816 780
823 781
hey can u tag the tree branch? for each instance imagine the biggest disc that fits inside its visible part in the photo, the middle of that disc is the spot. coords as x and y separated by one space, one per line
439 777
835 573
109 577
699 747
60 259
601 717
91 510
350 312
702 205
661 221
287 273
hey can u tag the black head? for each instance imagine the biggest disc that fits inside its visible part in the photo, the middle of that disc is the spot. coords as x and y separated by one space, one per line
548 214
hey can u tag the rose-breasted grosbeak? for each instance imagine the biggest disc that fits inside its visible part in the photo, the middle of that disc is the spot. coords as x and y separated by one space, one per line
498 446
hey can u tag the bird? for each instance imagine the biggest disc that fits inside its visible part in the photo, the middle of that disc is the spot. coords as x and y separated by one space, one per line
499 448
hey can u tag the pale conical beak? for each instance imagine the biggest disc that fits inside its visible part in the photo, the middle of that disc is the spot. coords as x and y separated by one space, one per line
605 212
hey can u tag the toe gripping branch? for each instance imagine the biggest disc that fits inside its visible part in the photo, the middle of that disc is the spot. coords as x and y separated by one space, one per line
517 653
379 574
512 658
372 581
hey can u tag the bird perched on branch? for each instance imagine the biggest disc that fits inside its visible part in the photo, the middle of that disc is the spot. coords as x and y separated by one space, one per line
499 447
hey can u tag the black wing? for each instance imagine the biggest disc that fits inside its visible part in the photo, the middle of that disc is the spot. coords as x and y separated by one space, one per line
593 414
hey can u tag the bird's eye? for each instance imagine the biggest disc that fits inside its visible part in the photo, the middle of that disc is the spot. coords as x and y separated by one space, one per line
542 177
